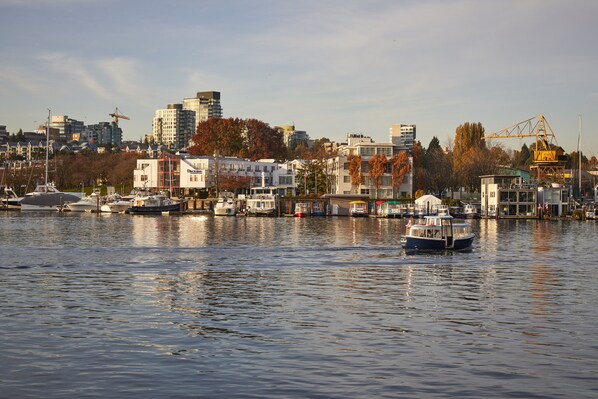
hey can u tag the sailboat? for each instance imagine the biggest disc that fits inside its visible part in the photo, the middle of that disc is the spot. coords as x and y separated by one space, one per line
46 197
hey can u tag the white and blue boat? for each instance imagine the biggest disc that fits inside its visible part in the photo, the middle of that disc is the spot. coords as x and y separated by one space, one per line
438 233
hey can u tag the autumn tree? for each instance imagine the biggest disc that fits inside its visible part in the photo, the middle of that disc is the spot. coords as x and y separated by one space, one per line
263 141
469 145
221 136
355 170
401 166
377 167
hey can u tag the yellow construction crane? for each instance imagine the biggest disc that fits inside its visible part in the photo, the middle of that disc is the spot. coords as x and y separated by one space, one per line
548 158
117 115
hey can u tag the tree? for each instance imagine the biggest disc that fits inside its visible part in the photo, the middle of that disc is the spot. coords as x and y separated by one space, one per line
437 168
400 167
224 137
469 143
311 178
377 164
263 141
355 170
419 172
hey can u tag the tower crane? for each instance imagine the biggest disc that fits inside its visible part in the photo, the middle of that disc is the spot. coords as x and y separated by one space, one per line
117 115
548 158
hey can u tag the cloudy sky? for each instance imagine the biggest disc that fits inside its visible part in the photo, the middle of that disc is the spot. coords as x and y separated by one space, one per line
329 67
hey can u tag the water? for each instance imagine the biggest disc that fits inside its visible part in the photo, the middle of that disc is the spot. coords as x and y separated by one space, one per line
194 306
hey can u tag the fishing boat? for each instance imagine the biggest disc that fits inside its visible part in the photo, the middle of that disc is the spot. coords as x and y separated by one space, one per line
358 208
302 209
226 205
154 204
439 232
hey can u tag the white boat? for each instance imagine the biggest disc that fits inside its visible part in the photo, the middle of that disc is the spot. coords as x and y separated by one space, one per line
154 204
591 215
358 208
440 232
10 199
302 209
116 204
89 203
226 205
262 202
470 211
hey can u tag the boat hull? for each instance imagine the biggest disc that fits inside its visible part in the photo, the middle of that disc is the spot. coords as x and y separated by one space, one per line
47 202
438 244
154 210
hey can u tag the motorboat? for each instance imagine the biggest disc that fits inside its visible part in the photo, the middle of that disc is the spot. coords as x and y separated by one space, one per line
226 205
88 203
302 209
358 208
263 201
591 215
439 232
261 205
154 204
46 197
9 199
318 209
116 204
470 211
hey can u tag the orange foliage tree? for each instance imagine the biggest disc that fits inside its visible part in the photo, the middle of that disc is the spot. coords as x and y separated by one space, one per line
377 165
355 170
400 167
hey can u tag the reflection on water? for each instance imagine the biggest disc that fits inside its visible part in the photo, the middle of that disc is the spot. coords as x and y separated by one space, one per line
197 306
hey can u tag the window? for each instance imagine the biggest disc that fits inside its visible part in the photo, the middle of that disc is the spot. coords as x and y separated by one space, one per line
346 179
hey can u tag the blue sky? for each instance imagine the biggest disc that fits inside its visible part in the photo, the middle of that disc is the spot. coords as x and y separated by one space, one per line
329 67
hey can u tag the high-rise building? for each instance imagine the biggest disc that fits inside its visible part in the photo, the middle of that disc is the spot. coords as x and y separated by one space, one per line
173 126
104 133
403 136
206 104
66 126
292 137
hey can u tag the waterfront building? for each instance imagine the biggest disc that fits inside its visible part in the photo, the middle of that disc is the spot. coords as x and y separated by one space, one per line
187 174
174 126
403 136
508 196
205 105
363 146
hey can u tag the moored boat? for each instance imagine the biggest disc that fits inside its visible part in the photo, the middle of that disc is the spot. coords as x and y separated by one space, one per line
318 209
440 232
392 209
46 197
154 204
9 199
358 208
226 205
302 209
116 204
89 203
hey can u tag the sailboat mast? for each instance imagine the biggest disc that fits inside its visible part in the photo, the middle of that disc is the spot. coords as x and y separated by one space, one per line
47 146
579 156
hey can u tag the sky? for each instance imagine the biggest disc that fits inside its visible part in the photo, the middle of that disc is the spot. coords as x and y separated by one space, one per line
328 67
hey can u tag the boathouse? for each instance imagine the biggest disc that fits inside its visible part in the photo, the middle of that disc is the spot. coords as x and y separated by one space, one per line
508 196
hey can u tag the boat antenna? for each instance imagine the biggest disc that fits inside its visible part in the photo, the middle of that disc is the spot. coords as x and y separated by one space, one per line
47 145
579 159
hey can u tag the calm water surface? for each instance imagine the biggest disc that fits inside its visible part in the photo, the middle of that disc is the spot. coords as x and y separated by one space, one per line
204 307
